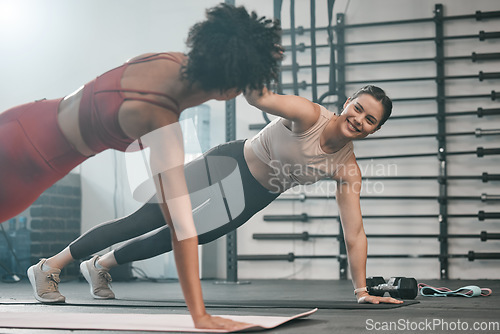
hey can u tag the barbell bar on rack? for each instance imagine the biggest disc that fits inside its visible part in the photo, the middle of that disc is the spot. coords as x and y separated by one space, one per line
483 198
485 177
480 112
290 257
478 16
305 236
482 36
478 133
304 217
493 96
479 152
473 57
480 76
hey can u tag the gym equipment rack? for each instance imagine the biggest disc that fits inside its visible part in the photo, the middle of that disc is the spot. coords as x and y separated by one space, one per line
336 86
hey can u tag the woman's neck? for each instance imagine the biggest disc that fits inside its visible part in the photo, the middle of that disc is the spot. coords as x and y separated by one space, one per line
331 139
191 95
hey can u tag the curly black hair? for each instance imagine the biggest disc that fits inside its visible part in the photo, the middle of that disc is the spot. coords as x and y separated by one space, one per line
233 49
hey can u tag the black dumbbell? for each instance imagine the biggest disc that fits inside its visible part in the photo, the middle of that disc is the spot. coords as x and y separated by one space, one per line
372 282
398 287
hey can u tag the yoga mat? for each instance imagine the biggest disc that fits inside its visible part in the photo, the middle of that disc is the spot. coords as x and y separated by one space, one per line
303 303
306 304
132 321
321 304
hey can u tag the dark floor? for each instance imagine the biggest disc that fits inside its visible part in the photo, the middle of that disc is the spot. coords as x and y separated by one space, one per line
431 315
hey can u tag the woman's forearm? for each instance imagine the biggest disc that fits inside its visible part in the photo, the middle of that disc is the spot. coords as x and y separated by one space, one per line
177 210
167 166
357 253
186 260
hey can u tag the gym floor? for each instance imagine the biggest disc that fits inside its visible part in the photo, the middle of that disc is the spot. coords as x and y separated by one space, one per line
430 315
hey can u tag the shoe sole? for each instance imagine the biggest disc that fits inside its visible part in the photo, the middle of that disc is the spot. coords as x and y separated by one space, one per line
86 274
31 277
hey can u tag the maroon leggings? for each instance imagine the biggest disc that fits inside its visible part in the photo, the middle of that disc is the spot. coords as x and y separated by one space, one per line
34 154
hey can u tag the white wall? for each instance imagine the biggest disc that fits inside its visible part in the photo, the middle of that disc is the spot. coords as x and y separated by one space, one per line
50 48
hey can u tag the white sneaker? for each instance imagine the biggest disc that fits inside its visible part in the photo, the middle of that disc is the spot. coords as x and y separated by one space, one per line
98 279
45 283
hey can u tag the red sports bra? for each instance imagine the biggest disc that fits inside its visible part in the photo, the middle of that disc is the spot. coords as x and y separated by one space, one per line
101 101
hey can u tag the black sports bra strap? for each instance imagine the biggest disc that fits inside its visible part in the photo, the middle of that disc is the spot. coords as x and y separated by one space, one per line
158 103
176 104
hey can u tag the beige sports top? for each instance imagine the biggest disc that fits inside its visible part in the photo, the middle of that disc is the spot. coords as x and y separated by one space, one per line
297 158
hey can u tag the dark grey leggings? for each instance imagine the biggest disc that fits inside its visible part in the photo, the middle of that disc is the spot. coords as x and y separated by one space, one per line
135 227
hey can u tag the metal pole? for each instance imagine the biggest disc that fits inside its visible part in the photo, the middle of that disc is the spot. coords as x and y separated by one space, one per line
277 5
294 48
441 118
231 238
339 88
314 73
339 46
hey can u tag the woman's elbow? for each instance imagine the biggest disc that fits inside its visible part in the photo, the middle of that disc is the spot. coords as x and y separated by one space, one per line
355 239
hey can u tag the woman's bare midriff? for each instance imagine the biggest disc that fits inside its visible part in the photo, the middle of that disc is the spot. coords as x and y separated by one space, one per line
69 124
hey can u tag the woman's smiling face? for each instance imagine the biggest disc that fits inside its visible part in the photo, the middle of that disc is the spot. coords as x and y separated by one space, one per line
361 116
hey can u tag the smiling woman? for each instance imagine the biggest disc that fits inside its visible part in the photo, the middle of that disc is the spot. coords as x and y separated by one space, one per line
362 115
321 135
380 96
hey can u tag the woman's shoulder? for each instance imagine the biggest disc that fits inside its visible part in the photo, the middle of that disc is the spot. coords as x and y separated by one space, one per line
178 56
141 56
348 170
315 119
325 112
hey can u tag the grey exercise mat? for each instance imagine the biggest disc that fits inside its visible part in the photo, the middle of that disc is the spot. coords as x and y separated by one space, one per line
296 304
321 304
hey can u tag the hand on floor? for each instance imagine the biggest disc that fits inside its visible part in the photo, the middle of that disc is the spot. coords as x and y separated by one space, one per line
367 298
210 322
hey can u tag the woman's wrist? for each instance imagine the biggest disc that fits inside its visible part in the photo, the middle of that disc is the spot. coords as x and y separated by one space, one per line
200 316
359 290
361 296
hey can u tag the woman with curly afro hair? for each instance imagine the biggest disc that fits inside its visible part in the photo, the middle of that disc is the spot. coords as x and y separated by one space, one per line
233 49
42 141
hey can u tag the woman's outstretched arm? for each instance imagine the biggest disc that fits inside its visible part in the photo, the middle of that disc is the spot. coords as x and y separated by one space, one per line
302 112
167 168
348 180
